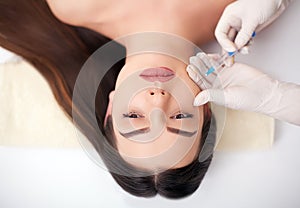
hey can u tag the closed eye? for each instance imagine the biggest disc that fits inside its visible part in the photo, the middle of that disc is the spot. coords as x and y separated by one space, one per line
132 115
182 116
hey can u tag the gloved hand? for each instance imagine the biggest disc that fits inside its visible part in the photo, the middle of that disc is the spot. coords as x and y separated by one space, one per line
244 87
245 17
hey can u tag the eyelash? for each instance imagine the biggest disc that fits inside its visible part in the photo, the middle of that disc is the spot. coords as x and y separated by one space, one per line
184 115
132 114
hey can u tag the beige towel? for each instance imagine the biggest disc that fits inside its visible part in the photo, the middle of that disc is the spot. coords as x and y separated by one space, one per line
31 117
241 130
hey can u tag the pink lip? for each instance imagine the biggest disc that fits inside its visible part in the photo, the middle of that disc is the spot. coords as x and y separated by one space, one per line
161 74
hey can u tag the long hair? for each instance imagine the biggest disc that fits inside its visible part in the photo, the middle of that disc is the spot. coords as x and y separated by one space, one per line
58 51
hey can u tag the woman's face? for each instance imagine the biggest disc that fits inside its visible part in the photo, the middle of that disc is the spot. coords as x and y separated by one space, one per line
155 123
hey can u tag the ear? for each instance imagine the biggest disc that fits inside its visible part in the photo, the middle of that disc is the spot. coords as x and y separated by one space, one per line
109 106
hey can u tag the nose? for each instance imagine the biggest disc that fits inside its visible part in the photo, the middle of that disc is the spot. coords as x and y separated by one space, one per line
158 97
156 91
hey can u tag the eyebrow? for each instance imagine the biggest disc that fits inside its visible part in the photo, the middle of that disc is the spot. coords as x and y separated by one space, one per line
170 129
135 132
181 132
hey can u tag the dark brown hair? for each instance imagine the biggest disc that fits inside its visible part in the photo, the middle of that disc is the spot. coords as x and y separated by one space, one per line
58 51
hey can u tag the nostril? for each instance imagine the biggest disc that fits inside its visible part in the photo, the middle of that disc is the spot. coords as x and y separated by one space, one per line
156 91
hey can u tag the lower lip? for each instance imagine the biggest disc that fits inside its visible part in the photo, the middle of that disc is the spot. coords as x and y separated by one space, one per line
161 74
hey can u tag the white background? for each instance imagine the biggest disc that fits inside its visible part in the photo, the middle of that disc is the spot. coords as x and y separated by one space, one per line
68 178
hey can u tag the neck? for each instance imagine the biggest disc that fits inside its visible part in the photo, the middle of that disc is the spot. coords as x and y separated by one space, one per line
158 42
177 18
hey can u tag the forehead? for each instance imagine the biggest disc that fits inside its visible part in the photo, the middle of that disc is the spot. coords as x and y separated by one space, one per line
166 151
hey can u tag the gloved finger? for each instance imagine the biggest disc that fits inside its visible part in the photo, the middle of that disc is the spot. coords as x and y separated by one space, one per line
210 95
225 26
224 41
246 49
232 97
215 56
232 33
202 98
202 81
196 77
230 61
198 63
207 60
245 34
213 61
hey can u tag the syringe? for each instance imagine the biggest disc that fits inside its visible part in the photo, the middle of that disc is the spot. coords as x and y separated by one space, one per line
222 61
224 57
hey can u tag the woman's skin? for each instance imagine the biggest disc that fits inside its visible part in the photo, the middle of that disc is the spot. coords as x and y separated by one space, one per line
194 20
165 98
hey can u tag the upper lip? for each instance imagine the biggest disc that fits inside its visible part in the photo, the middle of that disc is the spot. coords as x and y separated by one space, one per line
161 74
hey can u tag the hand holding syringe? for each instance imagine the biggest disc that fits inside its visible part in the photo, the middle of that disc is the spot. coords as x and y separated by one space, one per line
223 58
243 87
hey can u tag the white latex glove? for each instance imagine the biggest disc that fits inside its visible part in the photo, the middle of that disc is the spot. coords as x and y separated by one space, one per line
245 17
245 88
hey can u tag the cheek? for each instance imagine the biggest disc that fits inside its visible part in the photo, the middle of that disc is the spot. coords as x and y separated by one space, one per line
126 72
139 123
193 86
138 101
189 82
